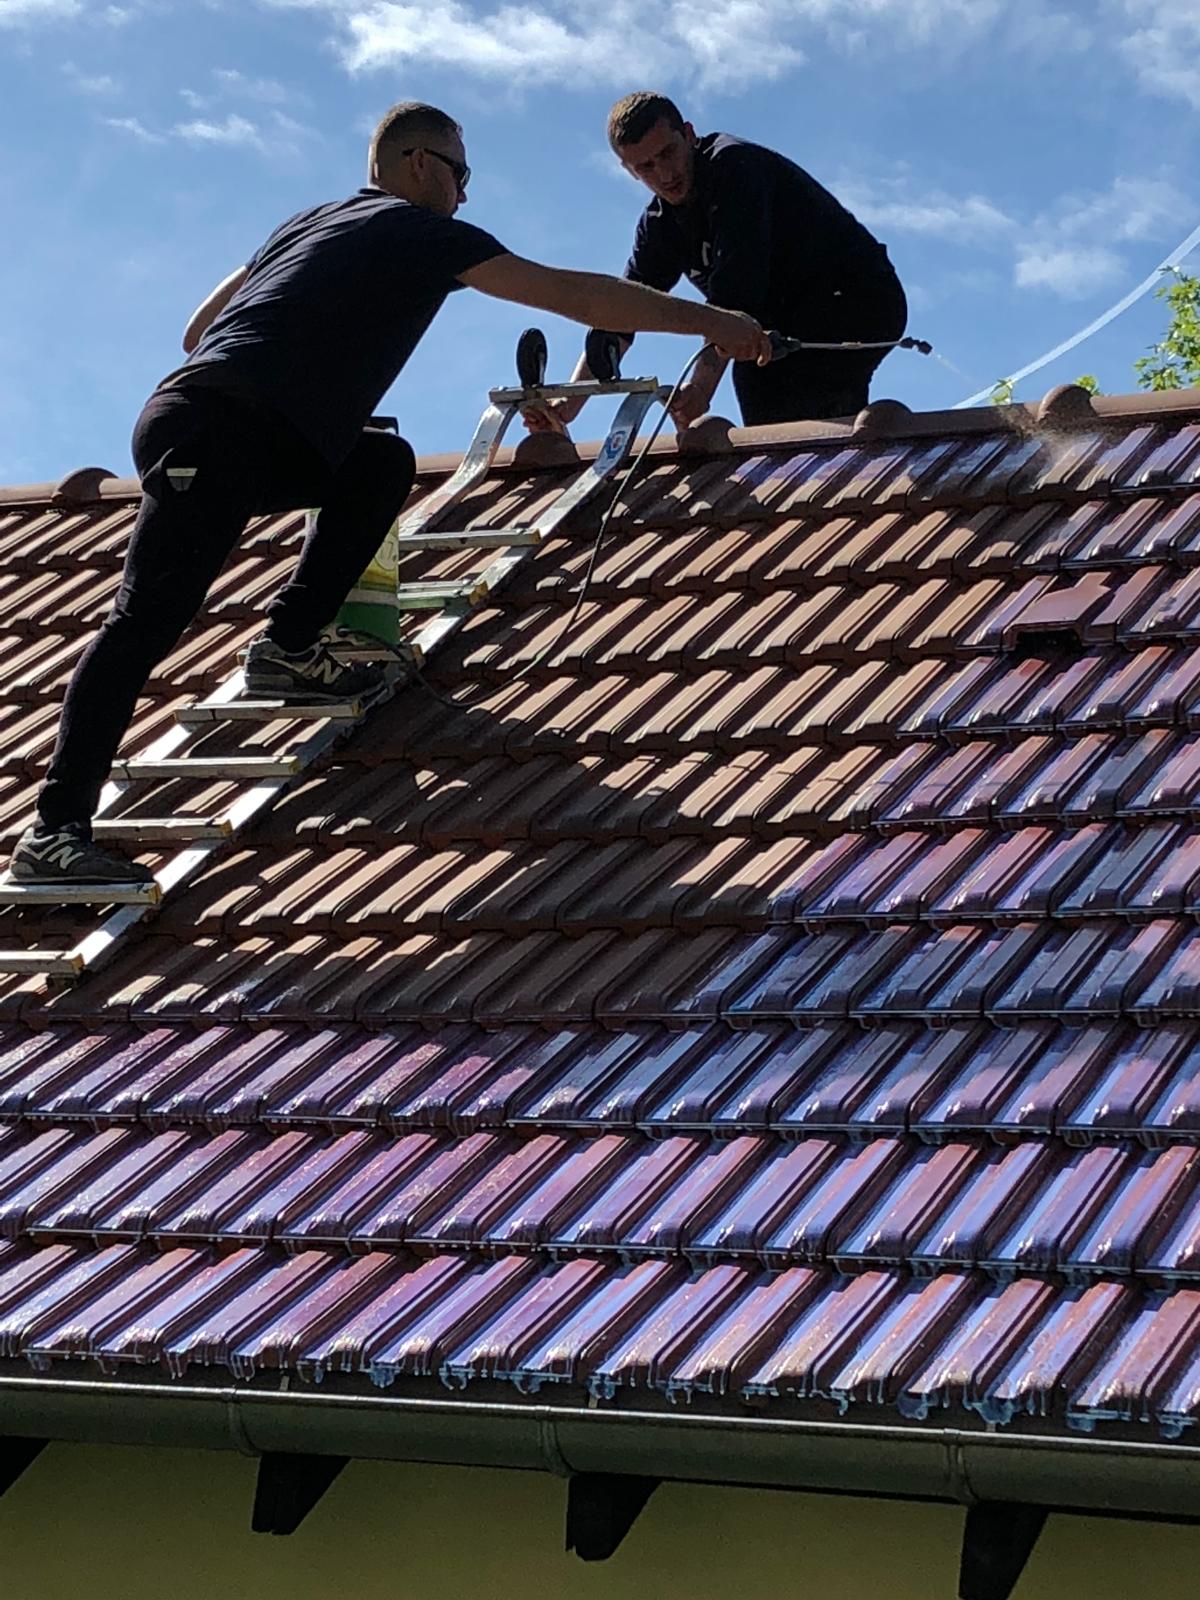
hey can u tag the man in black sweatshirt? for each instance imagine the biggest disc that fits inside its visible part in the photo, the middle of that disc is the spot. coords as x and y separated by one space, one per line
752 230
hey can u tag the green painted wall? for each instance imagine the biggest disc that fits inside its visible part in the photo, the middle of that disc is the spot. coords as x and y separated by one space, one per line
122 1524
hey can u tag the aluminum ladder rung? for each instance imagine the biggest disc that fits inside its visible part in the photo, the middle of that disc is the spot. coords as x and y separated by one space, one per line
469 539
433 596
50 963
78 894
582 390
205 712
230 768
163 830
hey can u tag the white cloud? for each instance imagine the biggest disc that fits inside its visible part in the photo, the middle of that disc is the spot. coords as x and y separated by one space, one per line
893 205
230 84
1163 47
99 83
1070 271
234 130
133 126
20 13
267 91
1069 249
279 137
715 44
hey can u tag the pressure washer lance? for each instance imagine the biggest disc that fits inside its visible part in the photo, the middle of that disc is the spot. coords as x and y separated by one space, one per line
782 345
604 352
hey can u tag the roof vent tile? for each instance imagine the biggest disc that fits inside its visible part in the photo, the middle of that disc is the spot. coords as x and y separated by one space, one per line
539 450
707 436
1065 610
1067 405
881 418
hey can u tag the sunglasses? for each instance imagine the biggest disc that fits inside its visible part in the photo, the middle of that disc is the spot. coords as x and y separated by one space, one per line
460 169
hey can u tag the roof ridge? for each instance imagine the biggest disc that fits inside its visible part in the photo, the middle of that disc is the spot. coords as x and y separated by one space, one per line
1064 406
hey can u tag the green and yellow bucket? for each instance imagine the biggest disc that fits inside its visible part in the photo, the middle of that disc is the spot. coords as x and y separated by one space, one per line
371 607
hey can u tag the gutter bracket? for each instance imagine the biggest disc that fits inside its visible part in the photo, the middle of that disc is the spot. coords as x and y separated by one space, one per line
998 1539
288 1488
601 1509
15 1456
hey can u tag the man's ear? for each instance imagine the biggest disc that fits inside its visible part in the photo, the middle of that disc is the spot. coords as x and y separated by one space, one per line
689 133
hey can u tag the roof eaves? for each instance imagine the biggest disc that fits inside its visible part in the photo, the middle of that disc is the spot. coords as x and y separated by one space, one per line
916 1461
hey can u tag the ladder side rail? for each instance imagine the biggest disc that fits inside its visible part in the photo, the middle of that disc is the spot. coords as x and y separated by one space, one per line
95 948
480 454
168 743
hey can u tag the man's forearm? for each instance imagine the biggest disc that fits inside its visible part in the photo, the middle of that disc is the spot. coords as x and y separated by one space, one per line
589 297
592 297
709 370
618 303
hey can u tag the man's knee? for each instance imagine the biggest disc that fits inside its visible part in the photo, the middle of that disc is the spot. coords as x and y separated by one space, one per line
372 483
386 460
401 465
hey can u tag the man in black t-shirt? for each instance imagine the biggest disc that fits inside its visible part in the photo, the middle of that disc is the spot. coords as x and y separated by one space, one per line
751 229
287 360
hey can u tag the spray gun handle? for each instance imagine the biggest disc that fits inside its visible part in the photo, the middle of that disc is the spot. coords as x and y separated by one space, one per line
781 345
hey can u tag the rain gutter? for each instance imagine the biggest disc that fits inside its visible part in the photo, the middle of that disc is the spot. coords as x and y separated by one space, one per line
967 1467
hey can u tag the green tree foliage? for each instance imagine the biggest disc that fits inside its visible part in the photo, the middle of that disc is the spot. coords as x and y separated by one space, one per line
1174 362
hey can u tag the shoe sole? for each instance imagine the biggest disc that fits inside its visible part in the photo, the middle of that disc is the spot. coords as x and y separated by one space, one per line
37 882
292 693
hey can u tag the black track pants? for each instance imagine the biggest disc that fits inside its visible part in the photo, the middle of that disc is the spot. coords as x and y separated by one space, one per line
815 384
208 463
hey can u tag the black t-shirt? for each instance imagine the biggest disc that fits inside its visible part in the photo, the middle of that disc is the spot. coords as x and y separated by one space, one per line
759 235
333 305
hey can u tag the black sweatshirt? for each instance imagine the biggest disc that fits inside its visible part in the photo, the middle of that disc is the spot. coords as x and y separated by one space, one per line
760 235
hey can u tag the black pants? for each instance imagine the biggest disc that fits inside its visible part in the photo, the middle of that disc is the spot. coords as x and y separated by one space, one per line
815 384
243 461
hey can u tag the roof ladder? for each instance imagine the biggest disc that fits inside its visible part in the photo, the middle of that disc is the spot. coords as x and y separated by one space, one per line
191 842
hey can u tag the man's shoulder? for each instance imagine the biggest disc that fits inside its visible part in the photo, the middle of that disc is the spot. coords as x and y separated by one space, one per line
392 214
726 152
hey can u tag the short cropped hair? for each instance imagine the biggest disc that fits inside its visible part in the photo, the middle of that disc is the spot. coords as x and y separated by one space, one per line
633 117
407 124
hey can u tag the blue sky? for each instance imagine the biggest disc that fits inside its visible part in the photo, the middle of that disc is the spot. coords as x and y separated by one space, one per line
1026 162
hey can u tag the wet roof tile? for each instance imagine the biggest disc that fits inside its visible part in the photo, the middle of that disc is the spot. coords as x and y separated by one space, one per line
796 978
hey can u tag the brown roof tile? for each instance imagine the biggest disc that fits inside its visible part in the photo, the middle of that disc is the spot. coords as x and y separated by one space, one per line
784 838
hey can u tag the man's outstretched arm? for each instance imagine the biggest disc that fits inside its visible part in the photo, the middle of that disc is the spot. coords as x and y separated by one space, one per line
604 302
209 310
